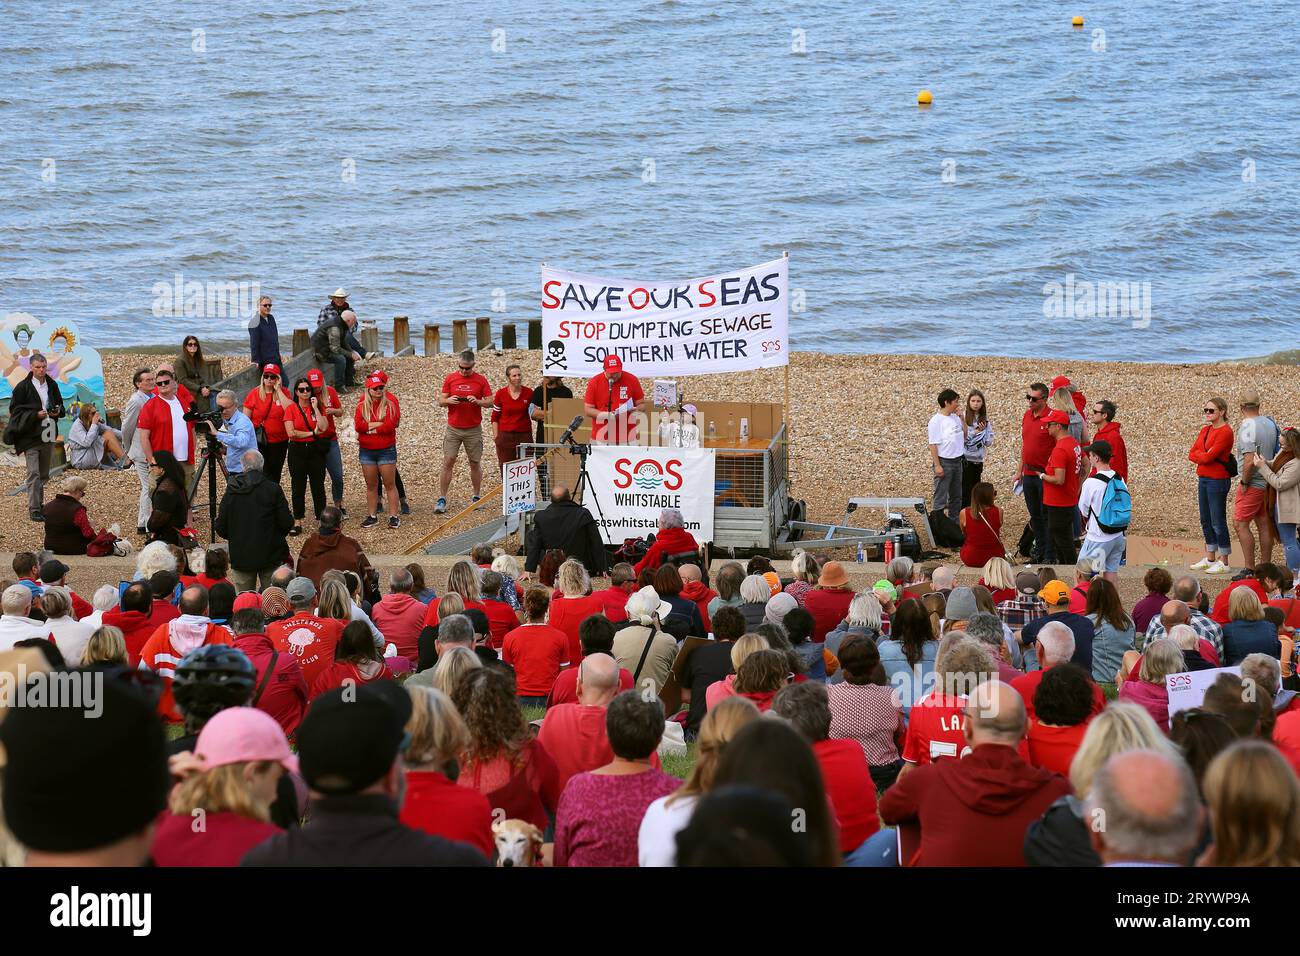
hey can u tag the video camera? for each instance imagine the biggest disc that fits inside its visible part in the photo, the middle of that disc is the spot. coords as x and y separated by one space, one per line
213 417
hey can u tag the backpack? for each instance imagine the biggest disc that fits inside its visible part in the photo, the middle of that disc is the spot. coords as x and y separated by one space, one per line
1116 509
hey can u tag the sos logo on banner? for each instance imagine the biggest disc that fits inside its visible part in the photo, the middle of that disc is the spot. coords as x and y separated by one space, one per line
649 474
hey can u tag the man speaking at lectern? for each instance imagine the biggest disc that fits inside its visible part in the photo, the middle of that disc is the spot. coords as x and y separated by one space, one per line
614 401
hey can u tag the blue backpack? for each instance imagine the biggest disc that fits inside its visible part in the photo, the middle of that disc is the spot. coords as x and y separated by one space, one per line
1116 509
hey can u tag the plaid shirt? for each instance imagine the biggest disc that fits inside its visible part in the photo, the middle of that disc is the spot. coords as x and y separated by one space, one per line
1205 629
1020 610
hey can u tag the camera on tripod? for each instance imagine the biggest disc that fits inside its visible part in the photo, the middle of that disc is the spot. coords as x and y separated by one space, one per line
213 417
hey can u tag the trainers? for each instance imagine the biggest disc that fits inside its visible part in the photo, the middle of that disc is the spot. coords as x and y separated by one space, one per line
37 516
370 521
475 499
441 507
406 507
295 530
394 521
343 512
1201 565
1218 567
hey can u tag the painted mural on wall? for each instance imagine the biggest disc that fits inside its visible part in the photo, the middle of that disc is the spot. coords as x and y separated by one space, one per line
75 366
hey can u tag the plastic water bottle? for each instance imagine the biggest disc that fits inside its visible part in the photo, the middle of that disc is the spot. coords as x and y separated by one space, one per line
713 432
731 427
862 556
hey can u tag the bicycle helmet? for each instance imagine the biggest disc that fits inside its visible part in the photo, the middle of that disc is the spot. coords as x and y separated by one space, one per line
212 678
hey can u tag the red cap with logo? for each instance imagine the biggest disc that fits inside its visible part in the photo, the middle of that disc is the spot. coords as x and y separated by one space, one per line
270 368
613 363
1060 382
375 379
314 378
1057 417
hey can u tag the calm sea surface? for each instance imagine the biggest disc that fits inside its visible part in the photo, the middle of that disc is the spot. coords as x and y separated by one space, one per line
428 156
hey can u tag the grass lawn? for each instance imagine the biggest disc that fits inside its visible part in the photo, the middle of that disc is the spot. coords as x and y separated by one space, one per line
676 765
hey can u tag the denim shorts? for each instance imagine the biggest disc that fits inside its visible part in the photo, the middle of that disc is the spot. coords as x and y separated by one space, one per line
379 456
1110 551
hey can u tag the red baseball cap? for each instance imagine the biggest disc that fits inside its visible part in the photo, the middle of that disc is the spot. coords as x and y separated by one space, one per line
1060 382
1057 417
270 368
375 379
613 363
314 378
248 599
381 375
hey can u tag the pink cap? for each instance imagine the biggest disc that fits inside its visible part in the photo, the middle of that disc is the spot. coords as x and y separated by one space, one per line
613 363
239 734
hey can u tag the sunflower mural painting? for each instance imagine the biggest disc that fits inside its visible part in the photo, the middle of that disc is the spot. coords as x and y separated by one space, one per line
75 366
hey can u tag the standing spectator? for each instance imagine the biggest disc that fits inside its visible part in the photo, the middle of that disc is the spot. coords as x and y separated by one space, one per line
434 804
264 337
982 524
350 753
254 517
1247 632
170 500
600 812
236 432
193 373
330 342
67 528
614 399
1257 440
1061 486
34 411
975 811
162 426
327 399
330 549
947 437
979 439
281 690
306 425
177 638
537 651
1254 805
1062 709
1036 446
1283 474
510 425
668 816
229 782
1114 632
828 603
1159 660
376 420
502 760
1158 582
265 407
308 638
1151 807
574 733
143 382
1105 428
399 616
568 527
1102 544
92 445
465 394
1212 453
867 710
356 661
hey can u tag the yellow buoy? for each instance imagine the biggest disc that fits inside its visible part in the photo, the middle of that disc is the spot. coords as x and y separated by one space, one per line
1077 21
924 98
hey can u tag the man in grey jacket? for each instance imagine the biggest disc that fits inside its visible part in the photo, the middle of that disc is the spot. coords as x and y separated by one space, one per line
143 381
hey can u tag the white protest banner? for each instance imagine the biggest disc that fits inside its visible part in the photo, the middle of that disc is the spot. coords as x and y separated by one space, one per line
633 484
731 322
519 486
1187 688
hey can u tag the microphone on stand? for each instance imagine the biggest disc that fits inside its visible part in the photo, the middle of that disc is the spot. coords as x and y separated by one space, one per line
573 427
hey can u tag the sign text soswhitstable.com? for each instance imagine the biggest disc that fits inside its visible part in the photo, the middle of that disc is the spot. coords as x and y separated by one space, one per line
731 322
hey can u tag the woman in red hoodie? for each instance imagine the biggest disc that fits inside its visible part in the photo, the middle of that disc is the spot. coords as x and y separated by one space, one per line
1212 451
376 419
229 782
356 659
672 538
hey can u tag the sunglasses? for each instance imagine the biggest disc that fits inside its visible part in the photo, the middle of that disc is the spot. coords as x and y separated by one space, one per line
266 305
376 388
269 375
1210 411
162 381
1034 398
466 368
304 388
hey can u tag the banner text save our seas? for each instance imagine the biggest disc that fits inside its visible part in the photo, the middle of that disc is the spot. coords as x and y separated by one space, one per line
733 321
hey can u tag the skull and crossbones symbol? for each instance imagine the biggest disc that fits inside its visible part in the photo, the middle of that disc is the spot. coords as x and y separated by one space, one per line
556 358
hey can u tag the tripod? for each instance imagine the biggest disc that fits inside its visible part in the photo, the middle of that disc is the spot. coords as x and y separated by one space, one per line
584 480
211 452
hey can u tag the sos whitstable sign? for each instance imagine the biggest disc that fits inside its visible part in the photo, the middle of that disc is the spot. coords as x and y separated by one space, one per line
519 486
734 321
632 485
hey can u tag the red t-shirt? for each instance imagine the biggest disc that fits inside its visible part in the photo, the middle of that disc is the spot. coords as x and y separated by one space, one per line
1035 443
565 688
1054 747
465 414
304 420
267 412
537 652
1286 735
1219 611
574 735
431 616
156 416
310 639
603 398
849 787
337 673
935 729
385 433
511 414
438 807
1067 455
567 614
331 400
501 621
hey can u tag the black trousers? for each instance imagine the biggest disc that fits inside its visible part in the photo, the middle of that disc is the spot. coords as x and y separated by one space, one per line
971 474
307 465
1060 525
401 489
273 454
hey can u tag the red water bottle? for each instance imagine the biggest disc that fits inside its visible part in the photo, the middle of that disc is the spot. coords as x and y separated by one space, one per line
889 549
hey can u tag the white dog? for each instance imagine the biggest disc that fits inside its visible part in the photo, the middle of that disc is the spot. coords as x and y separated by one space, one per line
518 843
